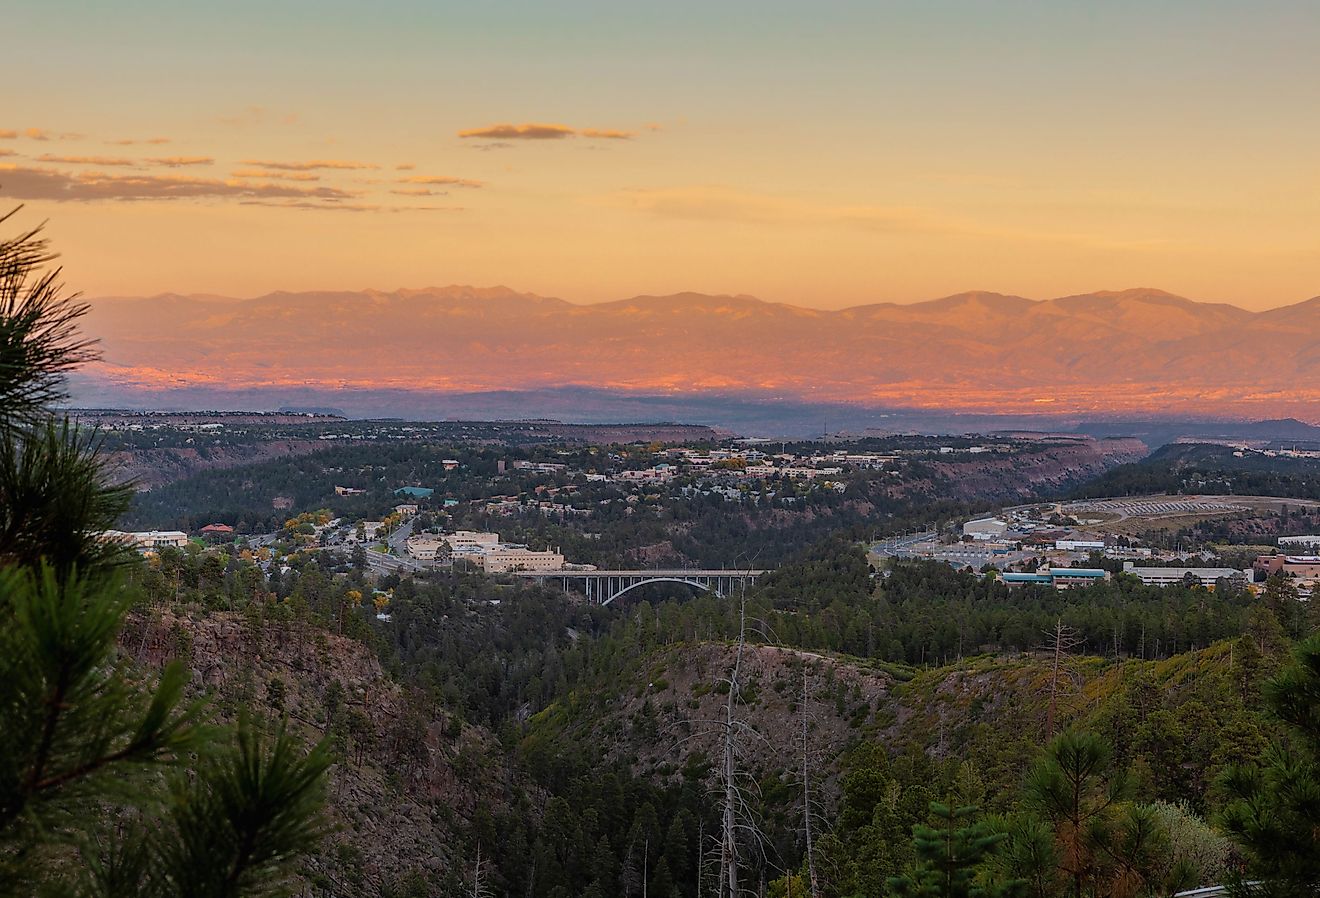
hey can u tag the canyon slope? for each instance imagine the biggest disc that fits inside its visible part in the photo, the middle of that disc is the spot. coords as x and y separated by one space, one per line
1130 351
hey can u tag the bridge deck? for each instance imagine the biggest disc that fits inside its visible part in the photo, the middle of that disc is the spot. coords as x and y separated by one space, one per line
669 572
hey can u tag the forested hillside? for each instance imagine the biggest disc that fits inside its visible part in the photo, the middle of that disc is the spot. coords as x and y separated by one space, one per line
1195 468
575 747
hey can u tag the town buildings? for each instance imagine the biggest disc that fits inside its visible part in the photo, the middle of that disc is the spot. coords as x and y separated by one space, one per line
517 558
148 540
1172 576
1058 577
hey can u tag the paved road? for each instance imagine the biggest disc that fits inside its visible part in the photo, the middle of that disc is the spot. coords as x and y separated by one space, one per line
897 545
391 564
399 538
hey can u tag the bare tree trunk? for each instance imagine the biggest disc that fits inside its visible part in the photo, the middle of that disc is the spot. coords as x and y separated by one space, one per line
1061 639
729 833
1054 683
701 856
806 795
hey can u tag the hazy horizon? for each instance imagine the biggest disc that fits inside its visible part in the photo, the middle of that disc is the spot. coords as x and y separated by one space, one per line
578 301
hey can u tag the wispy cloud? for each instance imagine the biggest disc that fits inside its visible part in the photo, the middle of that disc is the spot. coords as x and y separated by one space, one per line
519 132
276 175
441 181
404 166
7 152
607 134
7 135
51 184
534 131
132 141
310 165
178 161
42 134
718 203
85 160
307 205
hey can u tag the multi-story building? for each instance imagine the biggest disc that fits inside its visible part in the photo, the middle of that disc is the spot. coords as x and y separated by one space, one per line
469 540
148 540
517 558
427 547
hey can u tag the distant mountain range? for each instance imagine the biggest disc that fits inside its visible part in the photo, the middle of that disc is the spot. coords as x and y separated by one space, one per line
1110 353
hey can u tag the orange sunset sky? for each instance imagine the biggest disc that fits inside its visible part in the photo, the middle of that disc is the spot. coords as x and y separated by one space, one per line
824 154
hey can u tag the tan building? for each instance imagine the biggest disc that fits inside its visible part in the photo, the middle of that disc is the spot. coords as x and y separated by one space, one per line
427 547
469 540
517 558
146 540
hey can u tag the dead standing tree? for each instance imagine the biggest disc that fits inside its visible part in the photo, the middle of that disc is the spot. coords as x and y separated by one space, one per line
807 809
739 835
738 816
1060 640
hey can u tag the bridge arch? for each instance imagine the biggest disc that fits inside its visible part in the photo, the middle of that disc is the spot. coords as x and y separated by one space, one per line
703 587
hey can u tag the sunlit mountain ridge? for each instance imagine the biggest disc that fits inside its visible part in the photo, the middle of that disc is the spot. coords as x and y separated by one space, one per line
1113 351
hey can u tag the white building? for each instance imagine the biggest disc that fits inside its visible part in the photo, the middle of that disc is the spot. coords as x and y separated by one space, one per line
1312 541
985 528
1172 576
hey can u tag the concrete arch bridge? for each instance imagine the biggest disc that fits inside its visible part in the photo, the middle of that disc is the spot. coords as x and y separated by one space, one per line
603 587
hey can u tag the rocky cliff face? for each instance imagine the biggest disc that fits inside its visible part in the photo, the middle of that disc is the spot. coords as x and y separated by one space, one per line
408 777
149 468
1054 467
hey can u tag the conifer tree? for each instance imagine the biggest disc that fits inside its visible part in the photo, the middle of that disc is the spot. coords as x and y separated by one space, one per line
1276 804
109 785
950 856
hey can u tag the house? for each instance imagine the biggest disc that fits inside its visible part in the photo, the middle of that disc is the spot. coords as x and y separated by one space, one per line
217 532
414 492
406 510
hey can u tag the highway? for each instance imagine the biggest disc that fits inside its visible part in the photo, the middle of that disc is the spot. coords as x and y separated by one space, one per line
895 546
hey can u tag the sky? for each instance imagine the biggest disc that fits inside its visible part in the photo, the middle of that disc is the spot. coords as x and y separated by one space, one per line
825 154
